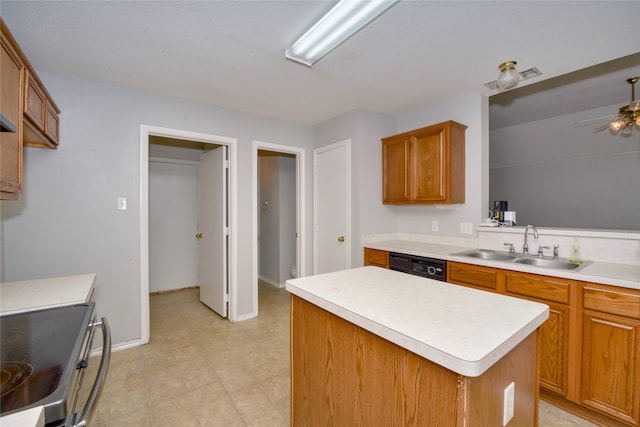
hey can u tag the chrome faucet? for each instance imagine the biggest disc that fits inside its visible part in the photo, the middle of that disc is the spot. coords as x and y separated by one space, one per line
525 247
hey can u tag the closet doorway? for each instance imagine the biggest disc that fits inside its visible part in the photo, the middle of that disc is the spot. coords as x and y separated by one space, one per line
278 214
170 224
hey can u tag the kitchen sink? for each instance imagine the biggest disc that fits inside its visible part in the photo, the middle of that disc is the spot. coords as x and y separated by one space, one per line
546 262
488 255
549 263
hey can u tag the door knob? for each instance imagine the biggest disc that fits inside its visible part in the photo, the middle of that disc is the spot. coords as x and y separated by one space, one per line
341 239
199 236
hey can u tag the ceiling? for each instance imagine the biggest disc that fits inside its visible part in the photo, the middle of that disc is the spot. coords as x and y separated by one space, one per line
231 53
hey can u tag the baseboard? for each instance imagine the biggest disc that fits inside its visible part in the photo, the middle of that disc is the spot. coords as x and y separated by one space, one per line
117 347
169 291
271 282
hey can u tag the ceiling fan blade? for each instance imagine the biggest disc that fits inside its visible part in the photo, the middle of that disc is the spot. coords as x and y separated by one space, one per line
594 119
601 128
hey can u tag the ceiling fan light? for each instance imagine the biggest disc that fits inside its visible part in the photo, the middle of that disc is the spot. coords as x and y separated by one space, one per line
634 106
508 76
616 125
638 120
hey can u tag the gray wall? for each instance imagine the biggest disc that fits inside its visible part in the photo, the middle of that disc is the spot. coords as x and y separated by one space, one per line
555 173
66 221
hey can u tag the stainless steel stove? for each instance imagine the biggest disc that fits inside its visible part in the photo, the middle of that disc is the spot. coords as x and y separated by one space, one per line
44 357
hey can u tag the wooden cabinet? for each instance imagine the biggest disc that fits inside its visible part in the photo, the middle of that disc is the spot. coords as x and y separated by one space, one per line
40 114
424 165
344 375
484 278
11 87
376 257
590 345
611 352
558 332
27 104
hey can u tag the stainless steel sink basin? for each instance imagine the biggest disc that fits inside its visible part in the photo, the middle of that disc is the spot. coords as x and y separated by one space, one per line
549 263
488 255
516 258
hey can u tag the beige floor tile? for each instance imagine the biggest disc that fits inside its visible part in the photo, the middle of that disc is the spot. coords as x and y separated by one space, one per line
251 400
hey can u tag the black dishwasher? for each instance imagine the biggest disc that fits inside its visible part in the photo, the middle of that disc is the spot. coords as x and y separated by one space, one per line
430 268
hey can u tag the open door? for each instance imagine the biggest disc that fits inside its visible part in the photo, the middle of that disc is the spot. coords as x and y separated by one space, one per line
213 230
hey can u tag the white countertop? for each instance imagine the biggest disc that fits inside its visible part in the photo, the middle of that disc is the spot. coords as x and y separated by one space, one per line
624 275
28 295
462 329
33 417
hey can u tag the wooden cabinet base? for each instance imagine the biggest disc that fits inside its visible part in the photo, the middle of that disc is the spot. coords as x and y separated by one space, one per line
343 375
580 410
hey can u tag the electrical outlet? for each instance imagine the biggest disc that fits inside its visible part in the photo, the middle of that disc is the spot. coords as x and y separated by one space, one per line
434 225
466 228
509 403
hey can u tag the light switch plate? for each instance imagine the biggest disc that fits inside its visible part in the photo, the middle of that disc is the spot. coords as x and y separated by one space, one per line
122 203
466 228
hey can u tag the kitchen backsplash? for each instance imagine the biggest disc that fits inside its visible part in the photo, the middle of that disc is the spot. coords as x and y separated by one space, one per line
595 245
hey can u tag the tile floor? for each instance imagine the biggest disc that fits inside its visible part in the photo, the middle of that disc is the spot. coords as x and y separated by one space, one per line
200 370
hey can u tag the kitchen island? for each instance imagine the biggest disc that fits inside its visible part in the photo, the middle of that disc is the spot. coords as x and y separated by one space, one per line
376 347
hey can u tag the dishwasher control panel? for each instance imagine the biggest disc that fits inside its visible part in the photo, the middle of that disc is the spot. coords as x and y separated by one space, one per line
419 266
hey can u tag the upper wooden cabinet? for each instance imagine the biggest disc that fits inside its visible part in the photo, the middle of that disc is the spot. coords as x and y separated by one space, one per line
40 111
11 87
24 102
424 165
40 114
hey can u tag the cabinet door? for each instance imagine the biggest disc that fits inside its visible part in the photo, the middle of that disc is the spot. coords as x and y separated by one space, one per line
395 170
554 338
429 169
376 257
10 106
611 366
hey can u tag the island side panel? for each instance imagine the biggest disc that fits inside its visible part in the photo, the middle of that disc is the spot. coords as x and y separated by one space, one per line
344 375
486 392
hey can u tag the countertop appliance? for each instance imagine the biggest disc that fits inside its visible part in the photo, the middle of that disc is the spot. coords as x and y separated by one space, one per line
419 266
45 355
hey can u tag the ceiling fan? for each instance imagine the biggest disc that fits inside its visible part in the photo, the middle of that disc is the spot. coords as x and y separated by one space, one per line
628 116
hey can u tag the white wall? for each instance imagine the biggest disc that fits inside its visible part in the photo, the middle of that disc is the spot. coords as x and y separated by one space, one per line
66 221
364 128
173 224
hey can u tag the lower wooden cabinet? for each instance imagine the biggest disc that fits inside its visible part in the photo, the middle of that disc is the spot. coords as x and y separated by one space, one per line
376 257
611 352
590 345
484 278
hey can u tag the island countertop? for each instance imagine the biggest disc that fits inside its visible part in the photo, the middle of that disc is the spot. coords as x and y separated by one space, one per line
462 329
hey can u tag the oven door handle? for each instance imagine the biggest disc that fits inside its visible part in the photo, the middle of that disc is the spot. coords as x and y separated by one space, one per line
102 373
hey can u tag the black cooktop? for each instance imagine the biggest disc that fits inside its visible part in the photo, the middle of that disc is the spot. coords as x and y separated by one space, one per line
39 352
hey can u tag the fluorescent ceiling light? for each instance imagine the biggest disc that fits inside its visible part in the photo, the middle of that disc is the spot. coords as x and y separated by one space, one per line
345 19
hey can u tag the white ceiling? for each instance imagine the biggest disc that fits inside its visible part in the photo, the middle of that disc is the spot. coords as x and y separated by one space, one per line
231 53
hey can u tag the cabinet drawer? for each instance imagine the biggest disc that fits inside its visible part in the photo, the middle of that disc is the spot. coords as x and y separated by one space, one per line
465 274
376 257
612 300
542 287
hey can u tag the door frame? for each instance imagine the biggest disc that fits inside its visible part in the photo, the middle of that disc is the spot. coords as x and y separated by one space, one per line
347 144
300 208
145 132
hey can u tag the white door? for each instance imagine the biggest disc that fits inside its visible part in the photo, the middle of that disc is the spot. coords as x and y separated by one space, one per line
331 205
213 230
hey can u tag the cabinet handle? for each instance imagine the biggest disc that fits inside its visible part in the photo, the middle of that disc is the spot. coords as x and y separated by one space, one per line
341 239
199 236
